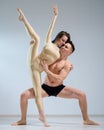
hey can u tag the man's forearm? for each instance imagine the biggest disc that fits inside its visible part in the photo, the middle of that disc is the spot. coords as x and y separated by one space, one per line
54 77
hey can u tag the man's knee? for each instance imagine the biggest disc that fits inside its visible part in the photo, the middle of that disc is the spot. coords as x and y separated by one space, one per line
83 95
24 96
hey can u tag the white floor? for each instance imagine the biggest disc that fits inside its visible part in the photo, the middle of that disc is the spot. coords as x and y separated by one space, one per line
56 122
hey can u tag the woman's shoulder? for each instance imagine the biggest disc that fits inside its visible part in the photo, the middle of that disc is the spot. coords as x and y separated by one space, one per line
51 46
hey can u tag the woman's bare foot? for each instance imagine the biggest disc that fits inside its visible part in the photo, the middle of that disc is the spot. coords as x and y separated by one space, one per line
90 122
21 122
21 15
43 120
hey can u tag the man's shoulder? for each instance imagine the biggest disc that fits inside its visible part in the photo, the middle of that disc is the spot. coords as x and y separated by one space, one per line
67 62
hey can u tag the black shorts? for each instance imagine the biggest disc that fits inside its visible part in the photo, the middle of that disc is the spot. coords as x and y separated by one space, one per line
52 91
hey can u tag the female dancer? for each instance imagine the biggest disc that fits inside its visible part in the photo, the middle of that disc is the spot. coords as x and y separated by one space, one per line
49 54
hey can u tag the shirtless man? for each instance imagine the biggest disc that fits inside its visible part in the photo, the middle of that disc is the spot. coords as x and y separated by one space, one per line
57 71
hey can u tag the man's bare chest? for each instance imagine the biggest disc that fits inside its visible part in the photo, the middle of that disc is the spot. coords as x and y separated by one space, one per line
57 66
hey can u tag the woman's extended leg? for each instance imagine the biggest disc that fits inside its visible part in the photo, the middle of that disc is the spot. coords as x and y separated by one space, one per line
29 28
33 50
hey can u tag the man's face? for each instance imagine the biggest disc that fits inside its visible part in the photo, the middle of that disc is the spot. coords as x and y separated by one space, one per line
66 48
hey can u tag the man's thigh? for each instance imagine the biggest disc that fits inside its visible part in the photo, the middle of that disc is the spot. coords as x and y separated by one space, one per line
69 92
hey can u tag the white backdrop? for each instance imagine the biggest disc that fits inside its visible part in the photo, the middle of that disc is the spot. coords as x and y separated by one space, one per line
84 20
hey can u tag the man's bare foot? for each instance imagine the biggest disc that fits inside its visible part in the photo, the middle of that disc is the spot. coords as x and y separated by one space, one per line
21 15
90 122
21 122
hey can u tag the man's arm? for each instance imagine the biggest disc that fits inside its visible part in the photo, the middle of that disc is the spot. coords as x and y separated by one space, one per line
49 34
60 76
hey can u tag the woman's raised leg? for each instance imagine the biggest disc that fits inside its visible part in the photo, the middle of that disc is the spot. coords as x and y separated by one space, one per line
29 28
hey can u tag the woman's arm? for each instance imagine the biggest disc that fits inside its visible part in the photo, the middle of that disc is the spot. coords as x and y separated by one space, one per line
49 34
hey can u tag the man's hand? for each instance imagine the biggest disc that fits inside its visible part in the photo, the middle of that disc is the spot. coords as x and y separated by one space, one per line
32 42
44 65
71 66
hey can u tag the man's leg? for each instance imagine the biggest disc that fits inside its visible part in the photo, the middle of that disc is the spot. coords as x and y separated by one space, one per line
69 92
28 94
83 106
25 96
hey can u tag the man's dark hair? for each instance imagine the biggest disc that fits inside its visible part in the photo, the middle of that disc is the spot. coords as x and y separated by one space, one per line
73 47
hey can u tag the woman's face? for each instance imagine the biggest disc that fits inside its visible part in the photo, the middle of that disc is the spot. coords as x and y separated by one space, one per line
61 41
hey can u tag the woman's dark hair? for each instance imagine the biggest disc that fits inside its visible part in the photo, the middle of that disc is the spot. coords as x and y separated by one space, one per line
60 34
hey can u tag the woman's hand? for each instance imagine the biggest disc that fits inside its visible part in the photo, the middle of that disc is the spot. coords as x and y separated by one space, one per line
55 10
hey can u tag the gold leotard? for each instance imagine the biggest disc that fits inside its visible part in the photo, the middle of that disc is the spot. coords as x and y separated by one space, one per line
50 53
